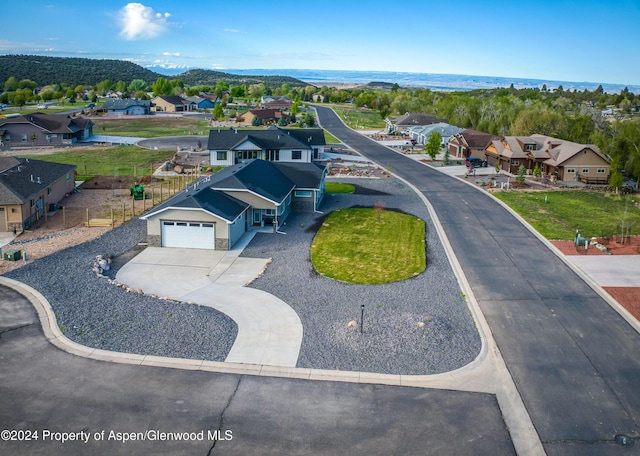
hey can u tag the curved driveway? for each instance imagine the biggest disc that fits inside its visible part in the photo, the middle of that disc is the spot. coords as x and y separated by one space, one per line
573 358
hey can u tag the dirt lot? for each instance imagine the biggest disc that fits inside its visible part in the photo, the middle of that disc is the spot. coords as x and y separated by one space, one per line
66 227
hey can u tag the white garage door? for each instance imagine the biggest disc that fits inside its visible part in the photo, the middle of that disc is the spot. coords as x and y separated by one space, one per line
189 235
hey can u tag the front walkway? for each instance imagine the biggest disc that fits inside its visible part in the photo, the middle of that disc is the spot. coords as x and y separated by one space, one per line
269 331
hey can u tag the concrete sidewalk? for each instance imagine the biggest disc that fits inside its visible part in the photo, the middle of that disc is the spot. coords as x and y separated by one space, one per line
610 271
269 331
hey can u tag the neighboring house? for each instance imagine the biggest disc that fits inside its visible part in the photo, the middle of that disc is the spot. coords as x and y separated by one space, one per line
402 123
280 103
172 103
566 161
217 210
128 107
299 145
39 129
422 133
469 143
28 188
266 116
201 103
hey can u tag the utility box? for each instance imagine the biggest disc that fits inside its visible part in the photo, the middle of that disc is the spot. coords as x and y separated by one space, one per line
12 255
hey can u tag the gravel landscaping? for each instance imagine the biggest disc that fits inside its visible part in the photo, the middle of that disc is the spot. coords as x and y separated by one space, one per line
95 313
416 326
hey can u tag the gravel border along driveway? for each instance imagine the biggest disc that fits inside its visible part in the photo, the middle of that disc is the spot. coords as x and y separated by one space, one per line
392 342
94 313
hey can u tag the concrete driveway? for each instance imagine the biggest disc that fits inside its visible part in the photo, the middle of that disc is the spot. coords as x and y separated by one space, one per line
269 331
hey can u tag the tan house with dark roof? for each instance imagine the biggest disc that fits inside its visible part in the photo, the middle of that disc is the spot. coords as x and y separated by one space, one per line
28 188
266 116
469 143
563 160
172 103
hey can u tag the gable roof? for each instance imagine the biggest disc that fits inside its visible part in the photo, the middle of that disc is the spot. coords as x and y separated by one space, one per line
474 138
261 177
18 183
53 123
303 175
125 104
443 128
271 138
559 151
414 118
174 100
200 196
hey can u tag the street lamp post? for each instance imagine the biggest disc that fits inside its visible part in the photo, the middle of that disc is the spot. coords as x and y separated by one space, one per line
361 318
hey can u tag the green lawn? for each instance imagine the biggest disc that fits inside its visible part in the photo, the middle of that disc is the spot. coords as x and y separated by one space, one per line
338 187
359 118
593 214
108 161
150 127
353 245
330 139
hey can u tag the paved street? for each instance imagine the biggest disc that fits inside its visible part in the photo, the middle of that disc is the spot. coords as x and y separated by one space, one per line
50 391
575 361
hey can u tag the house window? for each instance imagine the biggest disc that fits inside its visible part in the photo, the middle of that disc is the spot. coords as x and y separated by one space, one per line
68 176
273 154
585 170
222 155
530 147
601 171
515 163
24 138
571 170
48 190
302 193
269 212
296 155
247 154
7 137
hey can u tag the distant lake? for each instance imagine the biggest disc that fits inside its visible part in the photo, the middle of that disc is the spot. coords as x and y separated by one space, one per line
439 82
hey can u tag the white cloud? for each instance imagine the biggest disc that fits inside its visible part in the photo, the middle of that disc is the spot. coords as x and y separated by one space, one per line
142 22
171 54
230 30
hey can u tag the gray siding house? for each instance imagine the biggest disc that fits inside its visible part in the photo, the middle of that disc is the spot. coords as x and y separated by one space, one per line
217 210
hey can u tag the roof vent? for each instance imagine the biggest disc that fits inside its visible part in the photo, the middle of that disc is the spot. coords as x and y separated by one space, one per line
31 175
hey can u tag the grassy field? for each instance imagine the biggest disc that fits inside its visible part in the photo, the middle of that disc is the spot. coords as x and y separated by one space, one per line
338 187
359 118
353 245
593 214
330 139
108 161
150 127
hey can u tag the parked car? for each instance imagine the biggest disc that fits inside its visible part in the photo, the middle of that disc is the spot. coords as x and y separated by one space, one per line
473 162
90 105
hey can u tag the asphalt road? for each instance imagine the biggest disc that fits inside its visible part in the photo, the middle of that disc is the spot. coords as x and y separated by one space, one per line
59 395
574 360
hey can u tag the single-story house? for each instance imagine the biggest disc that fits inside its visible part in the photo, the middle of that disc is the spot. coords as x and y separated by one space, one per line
128 107
172 103
39 129
402 123
28 188
280 103
266 116
565 161
469 143
299 145
201 103
422 133
217 210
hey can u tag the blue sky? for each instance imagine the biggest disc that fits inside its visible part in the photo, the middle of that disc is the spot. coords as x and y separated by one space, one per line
595 41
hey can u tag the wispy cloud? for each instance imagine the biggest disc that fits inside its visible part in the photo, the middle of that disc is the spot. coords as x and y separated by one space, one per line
142 22
171 54
231 30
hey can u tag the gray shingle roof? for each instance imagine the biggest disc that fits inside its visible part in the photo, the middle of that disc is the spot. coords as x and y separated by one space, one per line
303 175
53 123
26 179
125 104
271 138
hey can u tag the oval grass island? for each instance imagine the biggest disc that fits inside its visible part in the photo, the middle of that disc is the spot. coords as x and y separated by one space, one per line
369 246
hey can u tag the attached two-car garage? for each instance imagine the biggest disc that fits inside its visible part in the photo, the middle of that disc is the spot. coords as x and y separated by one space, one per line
189 235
